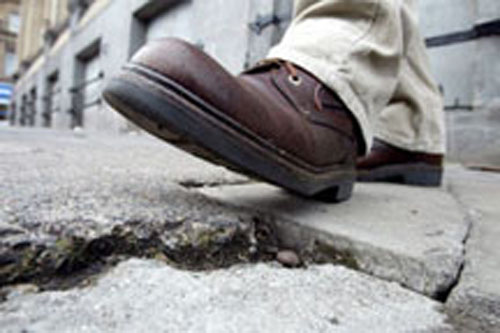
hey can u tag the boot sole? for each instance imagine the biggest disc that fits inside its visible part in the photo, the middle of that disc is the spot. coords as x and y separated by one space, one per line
174 114
418 174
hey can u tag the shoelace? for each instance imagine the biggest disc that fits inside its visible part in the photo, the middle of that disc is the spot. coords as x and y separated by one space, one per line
292 71
295 79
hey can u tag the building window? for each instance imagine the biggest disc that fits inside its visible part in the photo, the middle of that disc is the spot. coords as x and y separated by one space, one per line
51 99
14 23
32 108
10 63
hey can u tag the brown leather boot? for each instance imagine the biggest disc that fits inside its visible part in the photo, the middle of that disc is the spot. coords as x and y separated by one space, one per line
386 163
275 122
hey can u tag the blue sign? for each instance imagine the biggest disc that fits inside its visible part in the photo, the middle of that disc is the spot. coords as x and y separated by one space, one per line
5 93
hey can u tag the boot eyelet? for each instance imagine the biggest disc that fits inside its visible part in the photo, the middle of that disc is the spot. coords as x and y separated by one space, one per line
295 80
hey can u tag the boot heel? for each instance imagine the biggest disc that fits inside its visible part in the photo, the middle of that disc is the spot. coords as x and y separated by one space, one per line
423 178
335 194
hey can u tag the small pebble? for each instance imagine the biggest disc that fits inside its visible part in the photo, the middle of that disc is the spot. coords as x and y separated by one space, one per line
288 258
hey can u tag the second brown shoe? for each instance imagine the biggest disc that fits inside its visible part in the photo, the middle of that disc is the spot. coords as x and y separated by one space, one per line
275 122
390 164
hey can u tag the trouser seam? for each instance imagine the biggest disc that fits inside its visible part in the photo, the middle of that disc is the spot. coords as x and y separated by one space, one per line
370 28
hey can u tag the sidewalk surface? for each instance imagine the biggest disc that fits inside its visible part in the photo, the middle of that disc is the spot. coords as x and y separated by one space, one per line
126 234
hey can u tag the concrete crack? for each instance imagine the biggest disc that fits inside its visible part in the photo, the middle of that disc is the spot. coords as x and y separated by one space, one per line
470 220
199 184
193 245
66 261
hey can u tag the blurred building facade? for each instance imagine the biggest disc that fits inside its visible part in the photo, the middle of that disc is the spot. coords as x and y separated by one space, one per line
68 53
9 29
42 21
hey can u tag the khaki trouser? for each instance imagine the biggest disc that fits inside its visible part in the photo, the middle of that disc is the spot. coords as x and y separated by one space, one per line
371 53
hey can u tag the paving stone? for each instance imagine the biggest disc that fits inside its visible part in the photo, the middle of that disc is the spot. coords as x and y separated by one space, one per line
406 234
475 301
146 296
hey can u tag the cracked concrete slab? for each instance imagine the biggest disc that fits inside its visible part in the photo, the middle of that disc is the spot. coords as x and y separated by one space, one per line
92 195
68 201
71 204
410 235
475 301
147 296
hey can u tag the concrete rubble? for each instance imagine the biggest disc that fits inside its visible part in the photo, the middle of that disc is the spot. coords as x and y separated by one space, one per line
90 222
